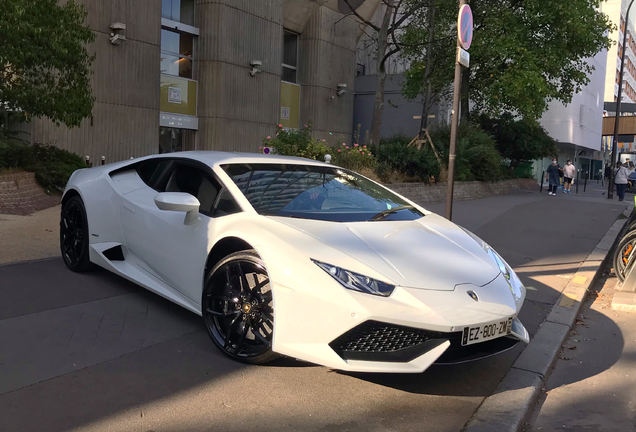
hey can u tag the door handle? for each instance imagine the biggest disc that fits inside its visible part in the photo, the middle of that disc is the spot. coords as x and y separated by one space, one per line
129 207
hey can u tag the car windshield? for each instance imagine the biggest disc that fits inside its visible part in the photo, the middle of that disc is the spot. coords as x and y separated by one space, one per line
317 192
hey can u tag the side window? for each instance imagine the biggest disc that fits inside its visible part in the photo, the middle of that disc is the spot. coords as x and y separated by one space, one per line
226 204
192 180
154 172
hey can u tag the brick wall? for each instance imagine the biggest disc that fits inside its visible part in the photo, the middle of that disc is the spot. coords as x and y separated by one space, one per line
21 195
422 193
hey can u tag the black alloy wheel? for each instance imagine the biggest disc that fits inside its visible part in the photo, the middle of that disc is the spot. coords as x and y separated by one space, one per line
238 308
74 235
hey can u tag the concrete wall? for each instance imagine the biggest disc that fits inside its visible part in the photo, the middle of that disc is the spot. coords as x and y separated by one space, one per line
397 117
422 193
125 83
236 110
327 58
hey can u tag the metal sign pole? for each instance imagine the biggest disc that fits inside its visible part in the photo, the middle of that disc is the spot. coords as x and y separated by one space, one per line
460 53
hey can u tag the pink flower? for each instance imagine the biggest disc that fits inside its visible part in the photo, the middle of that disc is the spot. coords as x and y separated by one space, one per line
280 125
347 146
305 125
364 146
260 148
362 152
339 150
269 137
344 144
355 145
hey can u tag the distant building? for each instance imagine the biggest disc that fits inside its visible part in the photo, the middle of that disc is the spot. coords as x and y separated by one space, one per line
213 75
577 127
616 10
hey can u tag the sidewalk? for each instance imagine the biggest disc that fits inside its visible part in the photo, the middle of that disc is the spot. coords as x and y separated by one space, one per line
30 237
593 384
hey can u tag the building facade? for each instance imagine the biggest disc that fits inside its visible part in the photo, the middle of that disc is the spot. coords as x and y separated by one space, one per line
577 127
616 10
174 75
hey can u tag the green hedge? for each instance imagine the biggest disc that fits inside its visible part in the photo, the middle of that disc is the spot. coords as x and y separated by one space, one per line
476 157
52 166
395 156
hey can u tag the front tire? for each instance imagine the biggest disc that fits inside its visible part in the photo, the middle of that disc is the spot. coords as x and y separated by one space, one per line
74 236
238 308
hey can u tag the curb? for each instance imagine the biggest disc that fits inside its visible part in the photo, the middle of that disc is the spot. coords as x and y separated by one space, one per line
624 302
507 409
11 263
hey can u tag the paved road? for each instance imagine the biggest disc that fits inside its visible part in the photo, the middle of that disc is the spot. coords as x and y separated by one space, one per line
94 352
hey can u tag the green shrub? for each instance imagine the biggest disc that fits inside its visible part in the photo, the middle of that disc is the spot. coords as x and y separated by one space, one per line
297 143
355 157
52 166
476 157
410 163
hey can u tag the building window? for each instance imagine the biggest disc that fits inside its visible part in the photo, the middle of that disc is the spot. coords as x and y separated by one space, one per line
360 69
290 57
178 10
176 53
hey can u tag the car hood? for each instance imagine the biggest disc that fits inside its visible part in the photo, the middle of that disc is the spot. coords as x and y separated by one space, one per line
429 253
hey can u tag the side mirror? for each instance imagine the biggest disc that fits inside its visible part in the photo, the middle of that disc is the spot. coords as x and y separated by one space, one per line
179 201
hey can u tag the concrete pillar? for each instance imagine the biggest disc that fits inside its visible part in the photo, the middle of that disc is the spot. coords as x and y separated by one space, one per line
235 109
328 58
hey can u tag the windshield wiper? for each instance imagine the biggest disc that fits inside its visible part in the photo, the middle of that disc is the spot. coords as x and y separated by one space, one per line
385 213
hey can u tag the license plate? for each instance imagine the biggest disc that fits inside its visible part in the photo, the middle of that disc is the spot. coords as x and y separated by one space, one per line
486 332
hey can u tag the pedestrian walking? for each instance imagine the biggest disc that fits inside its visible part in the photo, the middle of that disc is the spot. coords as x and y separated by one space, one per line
620 180
568 175
553 178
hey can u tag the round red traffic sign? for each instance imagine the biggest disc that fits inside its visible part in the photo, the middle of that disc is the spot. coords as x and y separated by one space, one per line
465 26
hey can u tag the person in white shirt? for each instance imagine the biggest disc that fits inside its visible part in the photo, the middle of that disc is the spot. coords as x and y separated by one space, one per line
620 180
568 175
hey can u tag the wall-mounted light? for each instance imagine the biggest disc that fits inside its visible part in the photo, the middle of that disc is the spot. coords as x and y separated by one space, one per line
256 67
342 89
115 36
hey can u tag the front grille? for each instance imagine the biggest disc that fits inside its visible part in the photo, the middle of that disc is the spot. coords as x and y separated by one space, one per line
377 341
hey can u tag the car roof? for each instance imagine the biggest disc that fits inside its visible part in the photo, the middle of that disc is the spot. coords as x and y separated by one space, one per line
214 158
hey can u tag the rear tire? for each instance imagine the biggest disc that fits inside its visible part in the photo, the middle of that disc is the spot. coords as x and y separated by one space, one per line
624 255
237 307
74 236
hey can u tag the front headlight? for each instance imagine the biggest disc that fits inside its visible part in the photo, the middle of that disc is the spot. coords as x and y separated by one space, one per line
356 281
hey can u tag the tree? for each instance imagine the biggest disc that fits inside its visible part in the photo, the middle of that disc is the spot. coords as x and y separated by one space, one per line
396 15
519 140
44 63
525 53
426 45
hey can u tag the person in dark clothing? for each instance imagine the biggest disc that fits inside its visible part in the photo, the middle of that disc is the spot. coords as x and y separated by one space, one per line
608 172
553 178
621 177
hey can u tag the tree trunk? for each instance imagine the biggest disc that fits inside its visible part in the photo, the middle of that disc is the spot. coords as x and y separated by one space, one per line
378 102
465 107
427 73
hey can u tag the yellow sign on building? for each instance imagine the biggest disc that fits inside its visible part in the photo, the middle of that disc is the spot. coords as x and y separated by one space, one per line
289 105
178 95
